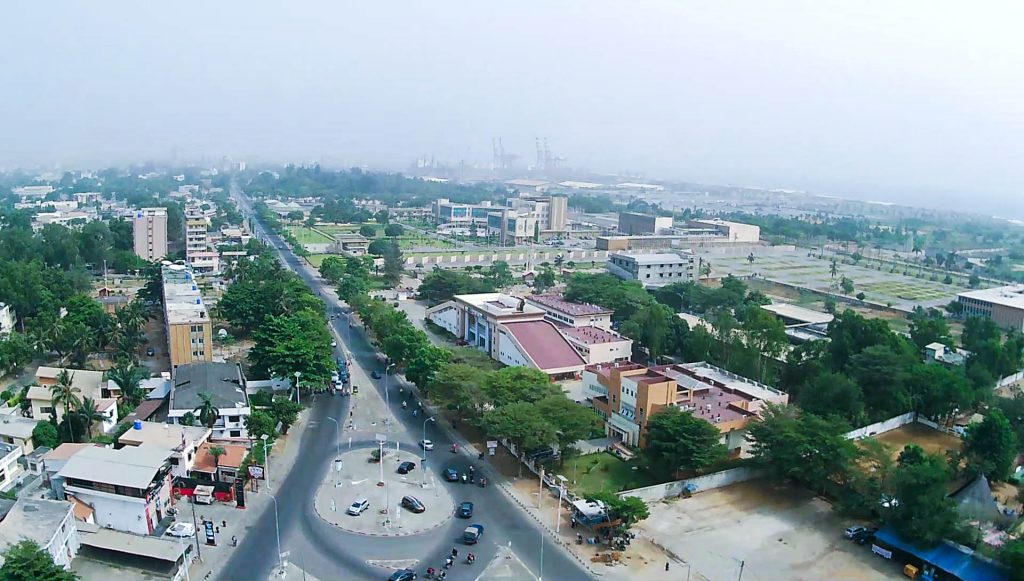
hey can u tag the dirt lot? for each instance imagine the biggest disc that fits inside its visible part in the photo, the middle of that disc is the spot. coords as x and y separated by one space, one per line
931 440
777 533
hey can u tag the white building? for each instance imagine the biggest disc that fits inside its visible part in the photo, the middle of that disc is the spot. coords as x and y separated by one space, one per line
181 442
89 383
128 489
731 231
48 523
560 311
17 430
7 319
1004 305
149 226
9 467
224 384
653 270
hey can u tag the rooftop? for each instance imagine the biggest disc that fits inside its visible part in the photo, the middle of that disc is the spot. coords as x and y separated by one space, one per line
80 378
709 374
527 183
66 451
182 301
558 303
204 462
222 382
33 519
499 304
134 467
1007 296
545 345
164 436
654 258
799 314
111 540
16 427
592 335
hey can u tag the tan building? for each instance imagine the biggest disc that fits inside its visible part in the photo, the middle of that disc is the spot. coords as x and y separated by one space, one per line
197 242
628 394
150 228
1004 305
89 384
189 328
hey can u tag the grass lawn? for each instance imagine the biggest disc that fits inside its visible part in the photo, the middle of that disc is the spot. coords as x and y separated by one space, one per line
317 259
308 236
597 472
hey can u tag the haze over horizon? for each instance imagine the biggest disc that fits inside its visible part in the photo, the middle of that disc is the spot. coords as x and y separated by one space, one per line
915 102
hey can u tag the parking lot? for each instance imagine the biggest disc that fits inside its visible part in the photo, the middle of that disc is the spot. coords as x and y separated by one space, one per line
772 533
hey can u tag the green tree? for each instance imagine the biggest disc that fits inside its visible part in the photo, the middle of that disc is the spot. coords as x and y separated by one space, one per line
833 394
290 343
544 279
679 441
425 363
846 284
922 512
208 412
216 452
929 328
45 434
1012 556
378 247
260 422
333 268
766 335
517 384
26 561
520 424
89 414
128 379
394 230
649 327
64 394
572 421
368 231
630 509
938 392
189 419
285 411
500 274
459 387
990 446
394 264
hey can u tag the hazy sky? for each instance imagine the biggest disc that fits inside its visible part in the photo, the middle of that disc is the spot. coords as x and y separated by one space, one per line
903 101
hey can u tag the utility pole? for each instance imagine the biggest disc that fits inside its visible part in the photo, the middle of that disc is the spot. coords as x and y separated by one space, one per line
740 576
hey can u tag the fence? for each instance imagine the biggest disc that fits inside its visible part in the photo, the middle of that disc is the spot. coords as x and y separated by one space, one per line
697 484
882 426
1010 379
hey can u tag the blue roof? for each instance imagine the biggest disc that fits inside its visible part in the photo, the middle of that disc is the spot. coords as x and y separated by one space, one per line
946 557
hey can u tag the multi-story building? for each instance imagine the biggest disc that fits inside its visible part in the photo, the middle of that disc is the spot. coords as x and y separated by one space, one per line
516 332
653 270
17 430
197 241
447 212
181 442
49 523
150 228
88 383
551 212
189 328
512 227
627 395
9 466
128 489
1004 305
631 223
224 384
562 312
731 231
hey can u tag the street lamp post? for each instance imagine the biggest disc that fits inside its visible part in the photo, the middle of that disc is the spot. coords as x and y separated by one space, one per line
266 460
338 429
277 530
387 395
298 392
423 467
558 509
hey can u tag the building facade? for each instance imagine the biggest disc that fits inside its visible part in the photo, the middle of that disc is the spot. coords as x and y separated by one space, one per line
562 312
633 223
224 384
197 242
447 212
731 231
149 226
188 324
1004 305
653 270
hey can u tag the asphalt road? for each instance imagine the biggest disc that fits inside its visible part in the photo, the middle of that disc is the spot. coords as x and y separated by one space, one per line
325 551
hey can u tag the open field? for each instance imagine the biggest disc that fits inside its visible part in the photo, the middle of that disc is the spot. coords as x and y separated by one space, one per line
317 259
409 240
307 235
604 472
931 440
880 286
776 533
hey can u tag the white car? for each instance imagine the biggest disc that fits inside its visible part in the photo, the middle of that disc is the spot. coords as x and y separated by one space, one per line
181 529
358 507
426 445
334 343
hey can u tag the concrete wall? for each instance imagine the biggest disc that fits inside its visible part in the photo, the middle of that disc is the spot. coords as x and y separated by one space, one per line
463 260
702 483
881 427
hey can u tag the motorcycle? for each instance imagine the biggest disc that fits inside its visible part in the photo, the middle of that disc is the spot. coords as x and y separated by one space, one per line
483 482
470 559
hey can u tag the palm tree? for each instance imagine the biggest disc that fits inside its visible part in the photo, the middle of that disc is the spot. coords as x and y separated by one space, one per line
834 269
705 269
90 414
128 377
216 452
559 259
208 413
64 393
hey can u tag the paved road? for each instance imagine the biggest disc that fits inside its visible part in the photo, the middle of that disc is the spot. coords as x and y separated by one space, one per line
327 552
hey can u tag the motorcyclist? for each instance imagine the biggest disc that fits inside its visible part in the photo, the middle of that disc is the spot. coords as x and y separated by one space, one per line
470 558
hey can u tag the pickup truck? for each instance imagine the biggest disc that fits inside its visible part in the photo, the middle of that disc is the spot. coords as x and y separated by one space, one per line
472 534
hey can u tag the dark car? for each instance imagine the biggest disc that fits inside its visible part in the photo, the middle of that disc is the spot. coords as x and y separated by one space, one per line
412 503
150 351
465 510
403 575
451 475
864 536
375 374
406 467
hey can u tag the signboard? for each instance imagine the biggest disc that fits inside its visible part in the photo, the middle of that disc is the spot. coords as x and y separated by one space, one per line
256 472
380 437
210 539
492 447
239 493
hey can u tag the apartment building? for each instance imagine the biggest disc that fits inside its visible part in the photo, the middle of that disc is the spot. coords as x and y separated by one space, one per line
88 383
198 252
149 226
551 212
181 442
1004 305
512 227
653 270
224 384
128 489
628 394
9 466
49 523
188 324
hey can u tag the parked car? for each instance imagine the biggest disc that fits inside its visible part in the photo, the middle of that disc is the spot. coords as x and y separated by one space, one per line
472 534
355 389
426 445
406 467
182 530
412 503
334 343
375 374
358 507
451 475
150 351
403 575
853 530
865 536
465 510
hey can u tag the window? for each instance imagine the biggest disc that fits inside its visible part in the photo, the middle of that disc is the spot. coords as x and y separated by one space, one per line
236 433
46 409
232 418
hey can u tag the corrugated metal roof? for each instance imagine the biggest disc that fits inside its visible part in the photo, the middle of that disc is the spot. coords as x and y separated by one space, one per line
132 467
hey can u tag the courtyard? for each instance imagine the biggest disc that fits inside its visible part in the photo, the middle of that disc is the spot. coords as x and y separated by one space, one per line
769 532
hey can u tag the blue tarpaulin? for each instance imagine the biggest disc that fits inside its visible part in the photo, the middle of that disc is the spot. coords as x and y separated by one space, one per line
946 558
